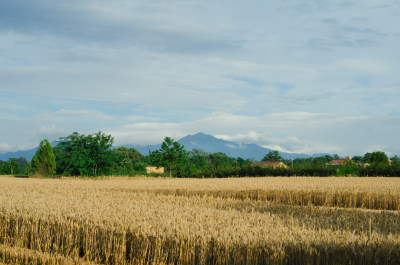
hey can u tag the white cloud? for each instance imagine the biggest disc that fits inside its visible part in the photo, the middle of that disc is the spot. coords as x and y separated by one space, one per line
364 65
73 112
83 113
5 147
291 132
289 144
295 75
50 130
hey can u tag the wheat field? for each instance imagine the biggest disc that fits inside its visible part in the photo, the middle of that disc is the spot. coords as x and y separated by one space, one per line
200 221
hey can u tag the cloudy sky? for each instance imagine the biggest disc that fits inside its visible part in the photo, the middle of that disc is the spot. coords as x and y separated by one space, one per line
304 76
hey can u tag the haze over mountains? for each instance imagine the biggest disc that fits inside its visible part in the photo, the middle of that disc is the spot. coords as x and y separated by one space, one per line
205 142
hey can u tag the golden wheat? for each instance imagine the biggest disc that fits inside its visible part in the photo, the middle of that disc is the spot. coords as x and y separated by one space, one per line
15 255
178 221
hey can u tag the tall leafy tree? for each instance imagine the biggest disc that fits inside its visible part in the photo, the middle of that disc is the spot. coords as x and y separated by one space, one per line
71 155
220 160
378 158
23 164
272 156
14 167
18 166
99 146
367 157
170 155
199 159
395 160
10 167
44 161
358 159
198 163
87 155
128 160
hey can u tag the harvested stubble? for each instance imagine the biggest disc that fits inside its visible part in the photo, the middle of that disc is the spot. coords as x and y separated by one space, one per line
136 222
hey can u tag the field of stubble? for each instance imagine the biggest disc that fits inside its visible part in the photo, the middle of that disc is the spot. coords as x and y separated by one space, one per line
200 221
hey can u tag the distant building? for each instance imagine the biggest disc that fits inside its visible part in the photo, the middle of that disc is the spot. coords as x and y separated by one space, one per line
159 170
338 162
270 164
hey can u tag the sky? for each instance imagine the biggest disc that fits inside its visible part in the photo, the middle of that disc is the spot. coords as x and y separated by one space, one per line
304 76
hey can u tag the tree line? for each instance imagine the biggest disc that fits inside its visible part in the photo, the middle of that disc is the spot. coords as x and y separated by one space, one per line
94 155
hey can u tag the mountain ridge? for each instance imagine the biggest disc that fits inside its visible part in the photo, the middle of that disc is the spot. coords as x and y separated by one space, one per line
28 154
211 144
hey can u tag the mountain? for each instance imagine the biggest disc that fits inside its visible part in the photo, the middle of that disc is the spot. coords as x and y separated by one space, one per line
28 154
205 142
211 144
320 154
145 149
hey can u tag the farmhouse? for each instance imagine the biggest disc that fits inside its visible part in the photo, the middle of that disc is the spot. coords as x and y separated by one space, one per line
159 170
338 162
270 164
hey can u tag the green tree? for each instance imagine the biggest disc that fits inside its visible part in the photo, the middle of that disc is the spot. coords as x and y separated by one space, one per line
220 160
395 160
87 155
14 167
358 159
99 145
170 155
222 165
44 161
18 165
71 154
10 167
23 164
272 156
367 157
128 161
378 158
199 163
350 163
199 158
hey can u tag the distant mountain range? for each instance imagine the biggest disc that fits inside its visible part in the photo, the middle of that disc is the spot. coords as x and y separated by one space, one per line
211 144
28 154
205 142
